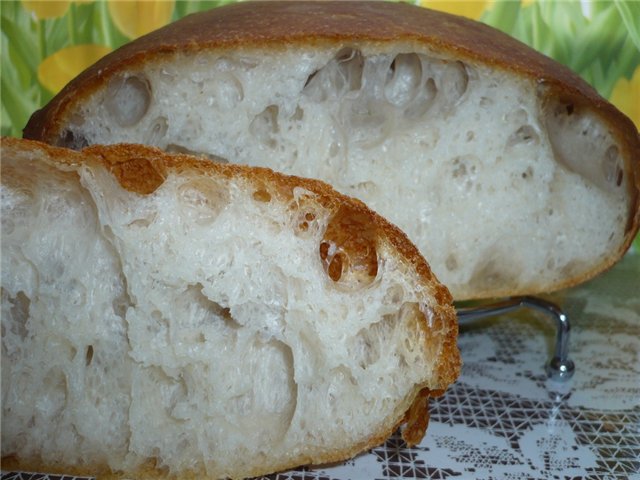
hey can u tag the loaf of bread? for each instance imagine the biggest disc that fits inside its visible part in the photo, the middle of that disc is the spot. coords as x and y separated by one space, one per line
509 172
162 315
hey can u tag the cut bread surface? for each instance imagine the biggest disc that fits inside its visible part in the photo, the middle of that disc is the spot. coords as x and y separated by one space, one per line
510 174
161 315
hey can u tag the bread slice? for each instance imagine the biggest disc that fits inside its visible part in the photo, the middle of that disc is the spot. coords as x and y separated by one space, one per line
164 315
510 173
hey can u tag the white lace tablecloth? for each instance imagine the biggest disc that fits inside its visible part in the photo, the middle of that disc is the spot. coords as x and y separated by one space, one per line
503 419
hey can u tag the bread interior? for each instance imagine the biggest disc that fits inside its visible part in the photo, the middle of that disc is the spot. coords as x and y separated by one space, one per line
498 185
199 326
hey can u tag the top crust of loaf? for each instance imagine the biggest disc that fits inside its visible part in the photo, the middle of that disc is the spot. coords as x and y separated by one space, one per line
273 25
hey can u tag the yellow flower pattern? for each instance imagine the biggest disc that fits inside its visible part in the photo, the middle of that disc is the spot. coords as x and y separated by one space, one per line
136 18
466 8
626 96
58 69
42 10
132 18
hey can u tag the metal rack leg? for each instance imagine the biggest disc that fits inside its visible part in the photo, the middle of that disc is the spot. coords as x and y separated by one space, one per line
560 368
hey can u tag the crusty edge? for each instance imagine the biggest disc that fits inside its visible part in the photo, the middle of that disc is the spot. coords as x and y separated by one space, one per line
280 25
119 158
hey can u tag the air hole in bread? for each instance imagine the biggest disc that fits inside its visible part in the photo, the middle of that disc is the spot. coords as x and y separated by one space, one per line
368 347
18 313
611 166
411 315
350 64
365 346
369 122
348 250
464 171
451 262
202 199
70 139
459 168
262 195
423 101
143 222
298 115
121 303
575 134
76 293
395 295
178 394
333 260
88 357
55 384
264 127
370 342
210 309
527 174
341 75
158 131
369 188
453 82
127 99
305 220
493 271
227 92
403 79
525 135
262 402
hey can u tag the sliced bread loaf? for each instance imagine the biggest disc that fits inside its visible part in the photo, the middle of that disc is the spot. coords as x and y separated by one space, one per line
161 315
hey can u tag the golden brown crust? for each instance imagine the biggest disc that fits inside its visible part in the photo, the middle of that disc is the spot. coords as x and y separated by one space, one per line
142 169
282 24
417 418
276 25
